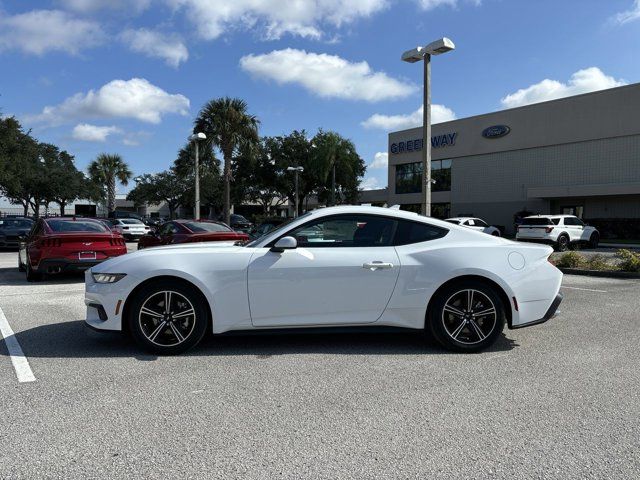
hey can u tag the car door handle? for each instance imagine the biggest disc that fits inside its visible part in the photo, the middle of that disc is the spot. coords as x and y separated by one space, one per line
376 265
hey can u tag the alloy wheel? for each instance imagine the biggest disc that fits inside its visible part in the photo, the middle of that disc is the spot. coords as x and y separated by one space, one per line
469 316
167 318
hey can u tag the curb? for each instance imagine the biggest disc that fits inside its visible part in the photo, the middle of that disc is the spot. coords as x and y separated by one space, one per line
600 273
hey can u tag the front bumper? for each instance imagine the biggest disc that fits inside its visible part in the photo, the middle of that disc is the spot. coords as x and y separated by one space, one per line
105 302
551 312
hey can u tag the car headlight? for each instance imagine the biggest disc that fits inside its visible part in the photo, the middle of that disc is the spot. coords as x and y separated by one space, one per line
107 277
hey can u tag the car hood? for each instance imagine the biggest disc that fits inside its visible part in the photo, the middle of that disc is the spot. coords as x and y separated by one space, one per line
123 263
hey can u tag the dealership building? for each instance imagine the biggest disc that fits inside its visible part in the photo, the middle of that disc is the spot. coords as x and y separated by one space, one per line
577 155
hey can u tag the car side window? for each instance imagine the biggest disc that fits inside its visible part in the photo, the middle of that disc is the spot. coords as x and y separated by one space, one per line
469 223
409 232
569 221
345 231
166 229
480 223
578 222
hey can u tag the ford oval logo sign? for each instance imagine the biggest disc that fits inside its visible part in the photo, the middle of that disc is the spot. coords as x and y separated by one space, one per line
496 131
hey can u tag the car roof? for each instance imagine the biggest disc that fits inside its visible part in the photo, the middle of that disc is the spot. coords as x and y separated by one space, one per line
550 216
460 219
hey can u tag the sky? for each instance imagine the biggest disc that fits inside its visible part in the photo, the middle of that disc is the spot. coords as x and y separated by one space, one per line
129 76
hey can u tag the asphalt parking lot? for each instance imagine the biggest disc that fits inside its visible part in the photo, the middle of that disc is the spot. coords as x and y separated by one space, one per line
559 400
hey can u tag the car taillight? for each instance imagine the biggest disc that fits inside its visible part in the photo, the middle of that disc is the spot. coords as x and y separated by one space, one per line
51 242
548 229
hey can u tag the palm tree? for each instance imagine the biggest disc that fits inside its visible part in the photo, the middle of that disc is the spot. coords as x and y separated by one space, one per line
105 170
228 126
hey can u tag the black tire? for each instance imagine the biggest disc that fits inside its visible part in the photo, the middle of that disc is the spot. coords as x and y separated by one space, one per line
443 323
495 234
147 329
594 240
32 275
562 244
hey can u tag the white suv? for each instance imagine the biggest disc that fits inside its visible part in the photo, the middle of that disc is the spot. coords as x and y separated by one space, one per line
475 224
561 231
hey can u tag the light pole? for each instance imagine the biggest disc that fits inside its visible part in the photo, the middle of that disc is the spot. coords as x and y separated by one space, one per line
195 138
438 47
297 170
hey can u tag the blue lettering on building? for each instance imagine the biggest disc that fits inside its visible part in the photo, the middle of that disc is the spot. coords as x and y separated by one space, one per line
439 141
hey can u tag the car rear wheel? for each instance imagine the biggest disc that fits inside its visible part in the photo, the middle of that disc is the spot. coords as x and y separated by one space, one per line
594 240
32 275
167 318
467 316
562 245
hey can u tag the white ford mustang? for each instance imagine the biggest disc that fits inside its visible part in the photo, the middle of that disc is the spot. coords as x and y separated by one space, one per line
340 266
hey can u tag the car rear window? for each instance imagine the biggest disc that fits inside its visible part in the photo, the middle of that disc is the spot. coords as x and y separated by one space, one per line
131 221
15 223
538 221
413 232
203 227
70 226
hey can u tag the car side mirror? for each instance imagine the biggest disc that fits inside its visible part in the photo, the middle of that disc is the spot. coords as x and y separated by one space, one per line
285 243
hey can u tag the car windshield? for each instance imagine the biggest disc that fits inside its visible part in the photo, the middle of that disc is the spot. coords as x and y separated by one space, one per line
537 221
203 227
15 223
276 230
239 219
70 226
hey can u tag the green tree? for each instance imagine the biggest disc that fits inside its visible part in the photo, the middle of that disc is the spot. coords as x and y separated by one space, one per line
338 168
167 187
228 126
65 182
105 170
19 164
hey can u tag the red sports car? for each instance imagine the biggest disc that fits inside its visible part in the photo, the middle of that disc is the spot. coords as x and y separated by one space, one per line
56 245
186 231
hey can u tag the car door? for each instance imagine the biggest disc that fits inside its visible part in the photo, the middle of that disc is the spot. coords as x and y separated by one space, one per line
573 227
343 272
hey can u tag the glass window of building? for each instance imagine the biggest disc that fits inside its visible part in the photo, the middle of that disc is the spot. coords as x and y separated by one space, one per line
409 176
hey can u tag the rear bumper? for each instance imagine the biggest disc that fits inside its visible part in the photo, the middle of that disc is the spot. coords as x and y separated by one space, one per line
545 241
59 265
551 312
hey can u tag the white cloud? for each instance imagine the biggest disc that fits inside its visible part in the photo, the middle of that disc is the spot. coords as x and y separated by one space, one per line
380 160
628 16
431 4
39 31
90 6
439 114
136 98
326 75
273 18
582 81
170 48
93 133
370 183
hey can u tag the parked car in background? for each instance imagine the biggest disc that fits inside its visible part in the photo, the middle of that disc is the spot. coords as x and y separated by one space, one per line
55 245
475 224
266 226
366 266
240 224
11 229
561 231
189 231
130 228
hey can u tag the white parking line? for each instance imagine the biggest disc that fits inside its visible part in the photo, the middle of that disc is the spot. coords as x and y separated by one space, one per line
585 289
20 362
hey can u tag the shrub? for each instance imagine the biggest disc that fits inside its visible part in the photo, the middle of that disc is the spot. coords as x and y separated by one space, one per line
571 260
598 262
629 261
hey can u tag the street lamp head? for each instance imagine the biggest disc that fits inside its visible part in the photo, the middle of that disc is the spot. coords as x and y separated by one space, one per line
414 55
438 47
197 136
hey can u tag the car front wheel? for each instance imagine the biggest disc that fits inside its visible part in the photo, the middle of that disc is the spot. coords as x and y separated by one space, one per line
594 240
168 318
467 316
